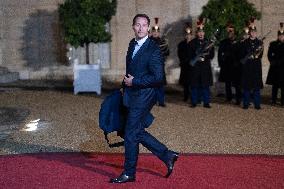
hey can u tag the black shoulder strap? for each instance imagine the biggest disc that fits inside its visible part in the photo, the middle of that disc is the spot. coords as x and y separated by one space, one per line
117 144
106 138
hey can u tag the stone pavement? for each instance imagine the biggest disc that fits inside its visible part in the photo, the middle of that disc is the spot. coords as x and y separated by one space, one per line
48 117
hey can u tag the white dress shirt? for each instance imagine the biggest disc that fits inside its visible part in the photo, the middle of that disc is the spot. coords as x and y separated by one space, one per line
139 45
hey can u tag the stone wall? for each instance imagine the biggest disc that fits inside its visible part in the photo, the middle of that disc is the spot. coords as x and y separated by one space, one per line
31 41
272 15
172 15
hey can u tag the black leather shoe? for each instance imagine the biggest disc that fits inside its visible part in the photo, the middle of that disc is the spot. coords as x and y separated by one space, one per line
162 105
273 103
193 105
237 103
170 164
257 107
228 99
123 178
245 107
206 106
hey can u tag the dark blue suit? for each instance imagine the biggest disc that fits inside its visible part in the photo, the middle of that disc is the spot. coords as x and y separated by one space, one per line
147 69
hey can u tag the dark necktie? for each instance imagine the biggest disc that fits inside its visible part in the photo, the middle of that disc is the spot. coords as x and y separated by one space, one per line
134 45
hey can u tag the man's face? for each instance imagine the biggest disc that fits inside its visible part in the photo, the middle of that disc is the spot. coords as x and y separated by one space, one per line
200 34
246 36
252 34
188 37
140 27
231 34
281 38
155 34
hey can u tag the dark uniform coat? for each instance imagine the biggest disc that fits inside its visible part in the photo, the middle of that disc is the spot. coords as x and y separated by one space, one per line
228 62
251 68
201 73
276 70
164 46
183 55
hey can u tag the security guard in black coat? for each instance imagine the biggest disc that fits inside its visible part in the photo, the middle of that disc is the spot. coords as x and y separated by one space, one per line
183 55
275 75
201 77
230 68
251 80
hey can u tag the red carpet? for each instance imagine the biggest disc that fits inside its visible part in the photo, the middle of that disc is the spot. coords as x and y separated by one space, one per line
192 171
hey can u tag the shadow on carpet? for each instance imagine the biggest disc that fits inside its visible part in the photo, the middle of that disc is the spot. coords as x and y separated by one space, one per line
93 170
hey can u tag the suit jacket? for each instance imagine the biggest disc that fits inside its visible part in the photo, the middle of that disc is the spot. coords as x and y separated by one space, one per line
147 69
113 115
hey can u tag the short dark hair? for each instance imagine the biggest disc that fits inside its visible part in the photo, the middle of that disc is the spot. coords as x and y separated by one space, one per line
143 16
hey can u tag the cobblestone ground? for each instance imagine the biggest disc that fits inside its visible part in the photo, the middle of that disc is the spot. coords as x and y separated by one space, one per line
47 119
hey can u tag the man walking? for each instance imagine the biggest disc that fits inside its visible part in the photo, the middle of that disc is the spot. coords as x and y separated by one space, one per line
144 75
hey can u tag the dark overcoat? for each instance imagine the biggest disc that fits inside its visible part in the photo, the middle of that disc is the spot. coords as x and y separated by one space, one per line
276 58
183 55
230 68
252 67
201 72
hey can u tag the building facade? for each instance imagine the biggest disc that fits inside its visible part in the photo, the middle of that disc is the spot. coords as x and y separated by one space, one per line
31 40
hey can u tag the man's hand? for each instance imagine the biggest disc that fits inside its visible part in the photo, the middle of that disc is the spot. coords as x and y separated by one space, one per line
201 59
128 80
121 91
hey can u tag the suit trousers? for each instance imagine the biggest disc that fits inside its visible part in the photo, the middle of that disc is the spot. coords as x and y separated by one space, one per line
134 134
161 95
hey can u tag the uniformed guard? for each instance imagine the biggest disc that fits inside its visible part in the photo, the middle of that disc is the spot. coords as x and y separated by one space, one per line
201 78
164 46
251 79
275 75
246 30
230 69
183 55
161 40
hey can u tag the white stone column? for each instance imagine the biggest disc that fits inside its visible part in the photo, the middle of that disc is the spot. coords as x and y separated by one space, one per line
104 55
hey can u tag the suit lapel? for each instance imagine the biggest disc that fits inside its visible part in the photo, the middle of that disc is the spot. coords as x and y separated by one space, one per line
130 50
141 50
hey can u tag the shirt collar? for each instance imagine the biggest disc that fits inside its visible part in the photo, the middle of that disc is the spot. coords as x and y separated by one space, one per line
141 41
